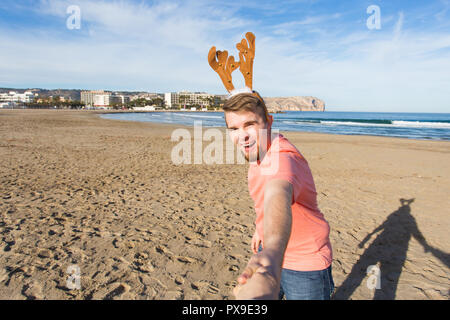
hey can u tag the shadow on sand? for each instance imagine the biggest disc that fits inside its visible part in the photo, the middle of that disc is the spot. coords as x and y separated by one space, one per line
388 251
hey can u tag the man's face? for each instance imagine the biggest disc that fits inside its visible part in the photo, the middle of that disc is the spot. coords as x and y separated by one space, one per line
247 130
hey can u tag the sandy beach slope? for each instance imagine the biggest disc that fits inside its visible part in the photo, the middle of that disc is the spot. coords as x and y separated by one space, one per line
104 196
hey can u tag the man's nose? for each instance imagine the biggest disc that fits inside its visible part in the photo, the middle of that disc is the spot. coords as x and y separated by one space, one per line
243 135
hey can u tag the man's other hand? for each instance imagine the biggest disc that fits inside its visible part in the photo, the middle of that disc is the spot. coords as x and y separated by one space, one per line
256 241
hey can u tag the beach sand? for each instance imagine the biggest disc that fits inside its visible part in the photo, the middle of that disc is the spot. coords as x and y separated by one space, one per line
103 196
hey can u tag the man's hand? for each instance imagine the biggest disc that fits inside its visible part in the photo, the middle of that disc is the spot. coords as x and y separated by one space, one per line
260 279
256 241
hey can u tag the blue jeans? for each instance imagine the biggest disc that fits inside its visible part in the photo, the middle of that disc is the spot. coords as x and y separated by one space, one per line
306 285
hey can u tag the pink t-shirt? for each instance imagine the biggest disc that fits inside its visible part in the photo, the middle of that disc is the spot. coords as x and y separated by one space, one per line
309 245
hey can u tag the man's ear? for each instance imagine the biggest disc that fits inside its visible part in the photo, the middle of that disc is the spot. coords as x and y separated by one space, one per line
225 117
270 120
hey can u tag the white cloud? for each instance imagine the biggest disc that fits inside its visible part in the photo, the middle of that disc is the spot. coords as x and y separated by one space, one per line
398 26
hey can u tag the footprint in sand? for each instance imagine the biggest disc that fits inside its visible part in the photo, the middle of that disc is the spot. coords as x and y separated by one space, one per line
174 295
141 263
9 244
32 291
118 291
163 250
205 287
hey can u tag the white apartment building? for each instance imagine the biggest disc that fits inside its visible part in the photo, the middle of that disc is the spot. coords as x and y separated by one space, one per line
185 98
100 98
88 96
147 95
6 105
118 98
13 96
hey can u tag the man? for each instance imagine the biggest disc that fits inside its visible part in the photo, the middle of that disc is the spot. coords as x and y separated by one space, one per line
291 246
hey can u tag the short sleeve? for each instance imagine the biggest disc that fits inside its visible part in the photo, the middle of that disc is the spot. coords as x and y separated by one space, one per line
285 165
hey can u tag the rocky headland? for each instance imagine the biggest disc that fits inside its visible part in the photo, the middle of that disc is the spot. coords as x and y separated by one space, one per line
299 103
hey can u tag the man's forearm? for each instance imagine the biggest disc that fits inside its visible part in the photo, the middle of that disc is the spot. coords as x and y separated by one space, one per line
261 277
277 221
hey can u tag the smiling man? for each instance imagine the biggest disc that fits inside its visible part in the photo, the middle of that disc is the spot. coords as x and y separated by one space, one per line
291 246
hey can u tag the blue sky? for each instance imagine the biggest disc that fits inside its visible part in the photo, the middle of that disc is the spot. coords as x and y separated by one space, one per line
306 47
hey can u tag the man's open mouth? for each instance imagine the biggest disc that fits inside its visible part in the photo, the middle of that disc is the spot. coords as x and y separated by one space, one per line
248 145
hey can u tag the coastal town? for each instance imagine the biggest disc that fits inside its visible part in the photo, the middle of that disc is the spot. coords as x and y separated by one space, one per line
139 100
102 99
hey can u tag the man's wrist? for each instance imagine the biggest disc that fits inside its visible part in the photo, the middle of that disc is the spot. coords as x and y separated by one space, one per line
276 247
274 258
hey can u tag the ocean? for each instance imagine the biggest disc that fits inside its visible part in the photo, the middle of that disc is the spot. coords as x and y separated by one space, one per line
422 126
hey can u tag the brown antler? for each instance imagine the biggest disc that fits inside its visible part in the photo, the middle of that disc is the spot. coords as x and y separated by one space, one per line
247 51
224 66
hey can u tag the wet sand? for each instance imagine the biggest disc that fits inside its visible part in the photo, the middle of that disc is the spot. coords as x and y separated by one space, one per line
104 196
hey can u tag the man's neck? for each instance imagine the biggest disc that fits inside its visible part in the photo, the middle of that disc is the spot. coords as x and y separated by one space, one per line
269 144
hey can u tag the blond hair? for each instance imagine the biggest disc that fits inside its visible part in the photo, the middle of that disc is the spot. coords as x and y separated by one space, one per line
247 102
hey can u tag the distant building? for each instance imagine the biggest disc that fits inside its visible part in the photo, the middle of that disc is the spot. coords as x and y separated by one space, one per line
13 96
169 99
185 98
198 100
88 96
6 105
64 99
100 98
118 98
148 96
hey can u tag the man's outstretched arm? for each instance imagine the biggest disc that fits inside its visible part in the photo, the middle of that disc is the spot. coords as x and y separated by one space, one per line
261 278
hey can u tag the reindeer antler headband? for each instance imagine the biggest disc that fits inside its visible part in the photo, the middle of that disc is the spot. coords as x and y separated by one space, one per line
224 65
